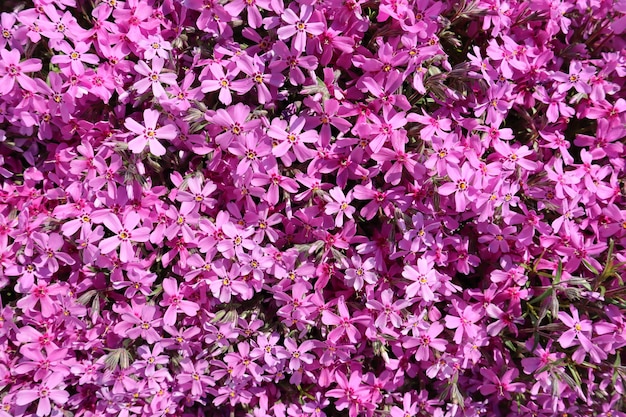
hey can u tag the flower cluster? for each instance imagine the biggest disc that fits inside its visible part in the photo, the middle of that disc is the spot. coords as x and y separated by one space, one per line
312 208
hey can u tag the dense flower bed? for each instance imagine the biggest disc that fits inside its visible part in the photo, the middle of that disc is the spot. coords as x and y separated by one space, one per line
312 208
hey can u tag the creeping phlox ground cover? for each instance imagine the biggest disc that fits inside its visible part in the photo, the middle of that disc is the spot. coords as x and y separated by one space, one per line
312 208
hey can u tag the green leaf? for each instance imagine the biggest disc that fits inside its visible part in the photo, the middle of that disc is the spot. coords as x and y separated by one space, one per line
559 273
543 295
590 267
95 306
86 297
118 357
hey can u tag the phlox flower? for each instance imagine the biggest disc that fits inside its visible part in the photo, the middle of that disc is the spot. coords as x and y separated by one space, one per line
300 26
361 272
139 320
196 196
13 71
344 322
254 68
41 365
75 57
194 376
383 92
222 81
173 300
154 46
381 130
339 205
565 180
234 124
276 181
578 330
51 246
444 153
439 126
425 341
498 238
150 358
41 294
514 156
226 283
463 322
153 77
424 280
148 133
461 186
501 386
350 393
125 234
295 61
389 311
291 138
243 362
504 319
48 393
252 10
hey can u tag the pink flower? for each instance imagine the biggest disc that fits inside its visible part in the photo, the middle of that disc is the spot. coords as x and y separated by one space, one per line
344 323
12 71
300 26
173 300
340 205
125 235
464 322
75 57
153 77
350 393
148 133
578 330
501 386
461 186
47 394
291 139
425 341
41 294
424 280
361 272
194 375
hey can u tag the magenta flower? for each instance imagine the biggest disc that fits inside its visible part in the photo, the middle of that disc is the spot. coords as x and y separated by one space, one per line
502 386
153 77
47 394
361 272
173 300
339 205
424 280
40 294
75 58
300 26
344 323
464 322
290 139
388 310
461 186
12 71
139 320
425 341
194 376
578 330
196 196
125 235
148 133
350 393
223 81
243 362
